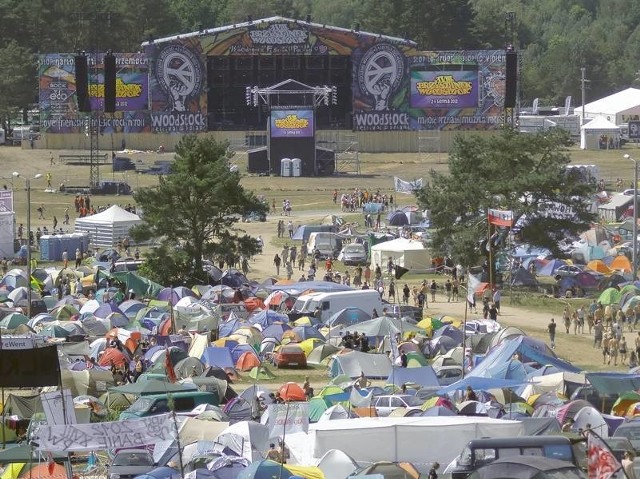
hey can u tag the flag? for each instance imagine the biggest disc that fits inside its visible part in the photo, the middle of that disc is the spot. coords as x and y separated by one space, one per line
602 463
168 365
472 284
400 271
51 465
402 186
500 217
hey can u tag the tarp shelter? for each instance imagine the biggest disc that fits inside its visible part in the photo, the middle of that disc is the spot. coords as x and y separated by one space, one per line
610 212
424 376
407 253
592 134
374 366
402 439
107 227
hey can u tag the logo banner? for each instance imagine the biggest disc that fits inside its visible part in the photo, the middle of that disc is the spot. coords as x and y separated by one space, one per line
288 418
500 217
291 123
407 187
130 433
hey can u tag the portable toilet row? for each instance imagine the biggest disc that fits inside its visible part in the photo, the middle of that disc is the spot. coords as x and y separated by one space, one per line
52 246
291 167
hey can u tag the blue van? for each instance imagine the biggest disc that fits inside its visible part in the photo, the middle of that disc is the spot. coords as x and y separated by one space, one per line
180 402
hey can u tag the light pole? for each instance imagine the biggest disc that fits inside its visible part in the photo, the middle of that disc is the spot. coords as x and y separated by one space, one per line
28 185
635 216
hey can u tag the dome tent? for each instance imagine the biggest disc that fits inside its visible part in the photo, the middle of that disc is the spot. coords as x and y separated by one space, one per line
106 227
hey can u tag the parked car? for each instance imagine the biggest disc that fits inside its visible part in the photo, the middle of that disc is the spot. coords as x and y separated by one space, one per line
353 254
128 463
568 270
289 356
448 374
385 405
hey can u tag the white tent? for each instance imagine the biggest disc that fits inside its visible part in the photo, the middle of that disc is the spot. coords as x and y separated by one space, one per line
107 227
599 133
617 108
410 254
7 227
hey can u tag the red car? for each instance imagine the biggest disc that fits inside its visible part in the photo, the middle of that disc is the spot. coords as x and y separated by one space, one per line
290 356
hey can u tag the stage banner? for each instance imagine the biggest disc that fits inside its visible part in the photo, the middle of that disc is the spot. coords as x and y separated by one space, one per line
29 368
130 433
288 418
291 123
407 187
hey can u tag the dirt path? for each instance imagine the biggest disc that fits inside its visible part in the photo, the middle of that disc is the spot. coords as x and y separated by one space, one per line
577 349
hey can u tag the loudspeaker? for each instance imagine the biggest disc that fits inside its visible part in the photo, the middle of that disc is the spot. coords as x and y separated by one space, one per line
82 83
511 84
109 83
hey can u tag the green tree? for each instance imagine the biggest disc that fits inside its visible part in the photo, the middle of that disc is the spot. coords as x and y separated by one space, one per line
193 212
18 83
512 171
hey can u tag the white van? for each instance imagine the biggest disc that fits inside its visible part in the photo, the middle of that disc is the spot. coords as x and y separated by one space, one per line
330 303
328 245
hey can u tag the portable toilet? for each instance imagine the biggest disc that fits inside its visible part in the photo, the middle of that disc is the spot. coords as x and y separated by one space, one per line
44 248
285 167
296 167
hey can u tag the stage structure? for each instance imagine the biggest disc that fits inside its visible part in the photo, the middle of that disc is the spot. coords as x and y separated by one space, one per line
291 129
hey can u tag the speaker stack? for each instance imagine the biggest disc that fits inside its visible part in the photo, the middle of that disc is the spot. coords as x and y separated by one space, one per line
511 86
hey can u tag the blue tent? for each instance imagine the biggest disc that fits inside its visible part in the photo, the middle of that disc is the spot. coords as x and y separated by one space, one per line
613 383
512 369
162 472
275 330
265 469
397 218
239 349
229 327
529 349
424 376
450 332
550 268
267 317
214 356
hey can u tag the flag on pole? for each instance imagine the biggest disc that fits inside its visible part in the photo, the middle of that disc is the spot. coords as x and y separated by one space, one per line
602 463
400 271
472 285
500 217
168 365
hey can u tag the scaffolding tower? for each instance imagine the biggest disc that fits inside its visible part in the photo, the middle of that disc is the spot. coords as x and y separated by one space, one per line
347 154
428 143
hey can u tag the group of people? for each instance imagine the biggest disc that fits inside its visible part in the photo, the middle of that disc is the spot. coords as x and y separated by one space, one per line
350 201
355 341
282 229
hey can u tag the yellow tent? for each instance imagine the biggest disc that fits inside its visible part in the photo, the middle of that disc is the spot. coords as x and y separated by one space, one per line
308 472
12 471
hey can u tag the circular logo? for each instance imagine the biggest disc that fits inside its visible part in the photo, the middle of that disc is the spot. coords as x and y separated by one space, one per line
179 73
381 71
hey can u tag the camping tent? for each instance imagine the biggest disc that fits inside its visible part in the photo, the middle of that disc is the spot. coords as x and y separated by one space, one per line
374 366
106 227
410 254
596 130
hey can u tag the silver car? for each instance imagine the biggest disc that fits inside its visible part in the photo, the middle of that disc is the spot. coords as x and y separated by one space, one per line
353 255
386 404
128 463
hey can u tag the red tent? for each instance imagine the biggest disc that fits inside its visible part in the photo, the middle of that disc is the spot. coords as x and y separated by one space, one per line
292 392
247 361
115 355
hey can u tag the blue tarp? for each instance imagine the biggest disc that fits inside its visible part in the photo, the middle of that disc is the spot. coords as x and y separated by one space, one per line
479 384
550 268
267 317
229 327
424 376
512 369
613 383
214 356
529 350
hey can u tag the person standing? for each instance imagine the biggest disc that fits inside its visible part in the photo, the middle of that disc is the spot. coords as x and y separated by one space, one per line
277 261
455 285
392 291
290 228
433 472
448 287
65 258
433 287
627 465
405 294
551 329
497 296
78 258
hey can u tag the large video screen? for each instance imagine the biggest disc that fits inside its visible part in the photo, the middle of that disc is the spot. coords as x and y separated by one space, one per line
444 89
291 123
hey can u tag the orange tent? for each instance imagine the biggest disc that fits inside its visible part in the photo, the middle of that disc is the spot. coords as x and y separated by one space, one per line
621 263
598 266
115 355
44 470
254 303
247 361
292 392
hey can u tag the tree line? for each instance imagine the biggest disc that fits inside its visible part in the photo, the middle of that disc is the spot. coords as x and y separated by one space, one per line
556 38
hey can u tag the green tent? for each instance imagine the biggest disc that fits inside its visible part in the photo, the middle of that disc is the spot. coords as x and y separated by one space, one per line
416 360
13 320
317 406
261 373
55 331
141 286
610 296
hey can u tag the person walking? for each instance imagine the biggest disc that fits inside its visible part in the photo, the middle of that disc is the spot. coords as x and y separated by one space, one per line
551 329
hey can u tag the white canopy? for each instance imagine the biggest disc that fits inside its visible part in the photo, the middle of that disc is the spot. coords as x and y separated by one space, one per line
408 253
107 227
598 133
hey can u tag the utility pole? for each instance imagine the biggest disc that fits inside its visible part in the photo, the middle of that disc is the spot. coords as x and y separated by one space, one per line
583 85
